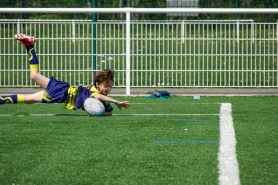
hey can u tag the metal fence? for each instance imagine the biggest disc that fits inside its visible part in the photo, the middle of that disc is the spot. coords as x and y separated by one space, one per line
237 53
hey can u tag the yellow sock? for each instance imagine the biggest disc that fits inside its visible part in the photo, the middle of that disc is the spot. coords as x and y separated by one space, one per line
20 98
34 67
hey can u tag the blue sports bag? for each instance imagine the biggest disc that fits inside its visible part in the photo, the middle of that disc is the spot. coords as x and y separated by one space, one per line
160 95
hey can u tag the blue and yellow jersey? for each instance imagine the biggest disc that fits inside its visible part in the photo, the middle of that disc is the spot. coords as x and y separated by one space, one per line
77 96
94 91
83 94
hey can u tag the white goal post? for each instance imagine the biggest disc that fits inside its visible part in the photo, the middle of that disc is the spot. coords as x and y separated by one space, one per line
128 11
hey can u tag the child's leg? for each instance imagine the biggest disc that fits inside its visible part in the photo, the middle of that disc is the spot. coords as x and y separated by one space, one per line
33 98
34 73
57 90
20 98
34 63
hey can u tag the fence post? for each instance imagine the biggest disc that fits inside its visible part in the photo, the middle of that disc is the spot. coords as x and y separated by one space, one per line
94 35
19 26
182 30
237 30
277 30
73 30
128 52
252 31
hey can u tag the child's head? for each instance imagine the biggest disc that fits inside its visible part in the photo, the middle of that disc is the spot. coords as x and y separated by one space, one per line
104 81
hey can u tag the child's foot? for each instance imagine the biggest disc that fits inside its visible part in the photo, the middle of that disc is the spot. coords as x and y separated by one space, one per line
24 39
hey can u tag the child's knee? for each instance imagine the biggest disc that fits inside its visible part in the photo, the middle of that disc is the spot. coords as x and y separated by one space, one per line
34 75
33 98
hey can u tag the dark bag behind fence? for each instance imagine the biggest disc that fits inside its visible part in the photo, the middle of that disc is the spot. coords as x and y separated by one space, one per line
160 95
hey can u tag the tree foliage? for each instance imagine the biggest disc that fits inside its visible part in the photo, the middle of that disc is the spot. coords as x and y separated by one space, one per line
137 4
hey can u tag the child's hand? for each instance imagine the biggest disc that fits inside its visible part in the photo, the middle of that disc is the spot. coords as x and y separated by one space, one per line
124 104
88 87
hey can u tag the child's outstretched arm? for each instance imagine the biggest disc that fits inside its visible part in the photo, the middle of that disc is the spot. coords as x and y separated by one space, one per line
119 104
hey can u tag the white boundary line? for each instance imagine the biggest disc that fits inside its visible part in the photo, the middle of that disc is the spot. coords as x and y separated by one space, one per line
227 159
179 103
166 114
118 115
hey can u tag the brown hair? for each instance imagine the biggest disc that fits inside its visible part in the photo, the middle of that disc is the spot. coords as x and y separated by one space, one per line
106 75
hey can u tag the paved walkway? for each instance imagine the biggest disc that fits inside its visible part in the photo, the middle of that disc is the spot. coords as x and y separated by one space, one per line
173 91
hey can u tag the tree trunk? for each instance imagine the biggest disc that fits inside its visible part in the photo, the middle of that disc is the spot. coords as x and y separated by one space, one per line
136 15
121 3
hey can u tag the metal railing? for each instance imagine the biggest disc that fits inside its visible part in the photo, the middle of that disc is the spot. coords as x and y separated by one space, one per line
150 54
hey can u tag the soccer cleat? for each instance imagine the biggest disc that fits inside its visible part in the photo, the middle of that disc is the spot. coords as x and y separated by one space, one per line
5 100
24 39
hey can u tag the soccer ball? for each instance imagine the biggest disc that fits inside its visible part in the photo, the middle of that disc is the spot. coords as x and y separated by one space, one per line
94 107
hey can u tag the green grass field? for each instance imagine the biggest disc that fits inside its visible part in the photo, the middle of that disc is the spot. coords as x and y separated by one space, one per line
174 141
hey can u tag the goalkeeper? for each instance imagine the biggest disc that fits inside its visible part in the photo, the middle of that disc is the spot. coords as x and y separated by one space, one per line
61 92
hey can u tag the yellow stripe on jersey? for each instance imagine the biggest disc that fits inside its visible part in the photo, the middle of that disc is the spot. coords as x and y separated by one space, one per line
94 91
69 103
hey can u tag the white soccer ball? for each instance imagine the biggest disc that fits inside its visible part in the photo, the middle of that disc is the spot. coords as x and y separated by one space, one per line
94 107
